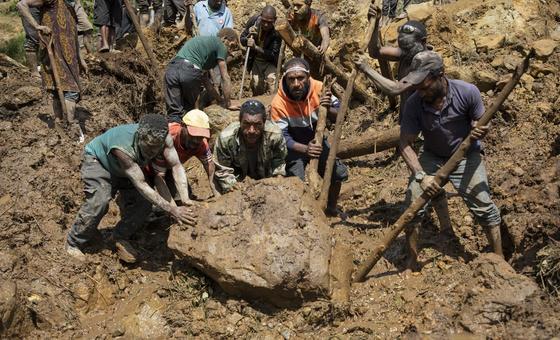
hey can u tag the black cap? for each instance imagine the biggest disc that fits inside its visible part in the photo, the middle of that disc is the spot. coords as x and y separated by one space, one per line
423 63
413 26
253 106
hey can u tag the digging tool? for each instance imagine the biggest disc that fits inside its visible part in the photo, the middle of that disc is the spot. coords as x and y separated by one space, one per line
147 47
58 83
312 175
252 32
441 175
183 23
279 65
340 120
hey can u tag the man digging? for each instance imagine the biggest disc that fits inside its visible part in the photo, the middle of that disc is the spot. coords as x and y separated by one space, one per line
186 72
265 49
112 163
445 111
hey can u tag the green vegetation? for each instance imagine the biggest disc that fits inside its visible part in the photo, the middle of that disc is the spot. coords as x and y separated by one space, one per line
14 48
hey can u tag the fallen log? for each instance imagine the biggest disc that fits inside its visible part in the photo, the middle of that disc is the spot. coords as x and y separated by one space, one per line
441 175
368 143
299 44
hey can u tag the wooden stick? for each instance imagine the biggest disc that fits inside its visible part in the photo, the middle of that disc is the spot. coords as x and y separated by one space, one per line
312 173
441 175
385 68
279 65
339 121
368 143
147 47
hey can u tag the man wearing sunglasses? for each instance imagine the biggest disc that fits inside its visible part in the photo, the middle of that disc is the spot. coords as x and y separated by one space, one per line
260 36
445 111
411 40
253 147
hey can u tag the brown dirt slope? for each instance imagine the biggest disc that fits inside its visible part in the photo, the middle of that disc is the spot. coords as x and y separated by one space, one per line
460 290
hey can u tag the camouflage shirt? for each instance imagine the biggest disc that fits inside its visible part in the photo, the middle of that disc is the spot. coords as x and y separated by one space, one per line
232 159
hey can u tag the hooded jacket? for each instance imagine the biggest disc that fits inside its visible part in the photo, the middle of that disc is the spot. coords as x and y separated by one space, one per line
297 119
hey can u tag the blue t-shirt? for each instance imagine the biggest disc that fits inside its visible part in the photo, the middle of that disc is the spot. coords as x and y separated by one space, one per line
444 130
210 22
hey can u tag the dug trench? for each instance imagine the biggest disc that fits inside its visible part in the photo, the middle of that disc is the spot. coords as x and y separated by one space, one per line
461 289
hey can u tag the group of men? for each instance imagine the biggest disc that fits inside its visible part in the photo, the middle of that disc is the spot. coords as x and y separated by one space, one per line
143 162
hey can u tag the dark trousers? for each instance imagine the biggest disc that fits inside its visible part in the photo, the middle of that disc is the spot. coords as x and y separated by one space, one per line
100 187
173 8
31 38
182 87
297 162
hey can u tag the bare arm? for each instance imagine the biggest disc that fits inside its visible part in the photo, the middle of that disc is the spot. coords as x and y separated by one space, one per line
23 8
209 86
387 86
226 83
135 174
210 169
172 159
325 39
409 155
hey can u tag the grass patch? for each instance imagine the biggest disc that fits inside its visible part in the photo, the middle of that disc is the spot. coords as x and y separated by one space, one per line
14 48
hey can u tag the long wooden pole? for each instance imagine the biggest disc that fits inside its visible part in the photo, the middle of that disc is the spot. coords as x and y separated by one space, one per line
370 142
441 175
312 170
340 121
147 46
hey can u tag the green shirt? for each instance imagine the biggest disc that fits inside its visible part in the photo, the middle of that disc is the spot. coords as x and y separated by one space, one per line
204 52
122 137
232 156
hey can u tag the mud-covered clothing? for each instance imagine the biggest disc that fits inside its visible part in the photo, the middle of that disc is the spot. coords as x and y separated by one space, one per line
232 156
60 18
297 162
107 13
470 181
444 130
269 41
123 138
182 87
312 28
203 152
99 188
210 22
263 77
203 52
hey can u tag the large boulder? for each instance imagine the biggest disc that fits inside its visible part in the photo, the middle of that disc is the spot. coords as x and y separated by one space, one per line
268 241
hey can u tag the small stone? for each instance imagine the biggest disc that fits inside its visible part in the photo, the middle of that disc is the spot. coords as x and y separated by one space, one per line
497 62
527 81
286 334
489 42
545 47
485 80
538 69
198 314
517 171
118 332
234 318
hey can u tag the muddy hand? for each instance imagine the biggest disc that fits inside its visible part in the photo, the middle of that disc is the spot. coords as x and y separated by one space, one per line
183 215
430 186
250 42
374 11
479 132
314 150
326 99
44 29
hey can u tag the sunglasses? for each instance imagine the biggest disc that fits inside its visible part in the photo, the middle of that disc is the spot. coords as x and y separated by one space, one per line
253 106
408 29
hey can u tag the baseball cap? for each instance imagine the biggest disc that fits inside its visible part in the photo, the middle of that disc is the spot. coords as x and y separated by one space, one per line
422 64
253 106
197 123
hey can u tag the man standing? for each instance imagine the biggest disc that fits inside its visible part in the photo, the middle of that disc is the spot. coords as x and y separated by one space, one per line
445 111
295 110
59 24
311 23
185 73
212 16
252 147
112 162
190 138
144 9
260 36
107 15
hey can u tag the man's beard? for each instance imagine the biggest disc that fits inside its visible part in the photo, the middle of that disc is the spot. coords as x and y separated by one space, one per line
437 90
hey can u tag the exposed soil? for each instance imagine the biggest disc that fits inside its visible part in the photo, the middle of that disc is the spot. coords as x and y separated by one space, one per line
460 290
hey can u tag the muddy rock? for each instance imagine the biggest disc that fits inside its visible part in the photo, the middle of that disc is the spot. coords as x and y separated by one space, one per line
485 80
23 96
259 245
420 12
545 47
490 42
8 305
495 290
